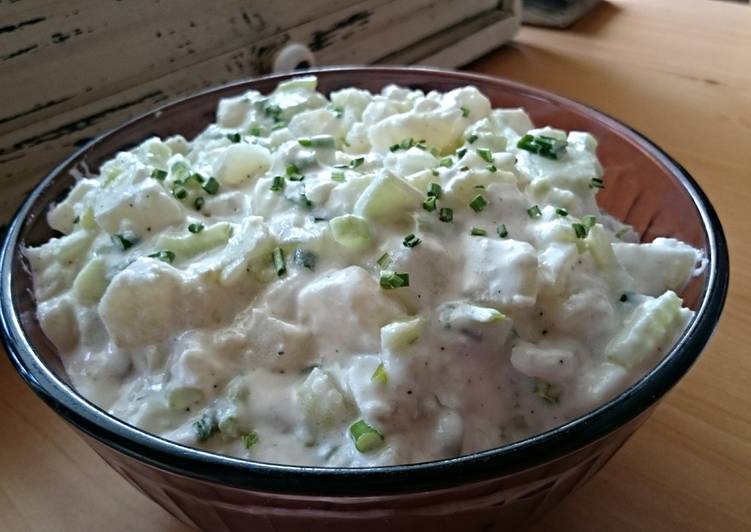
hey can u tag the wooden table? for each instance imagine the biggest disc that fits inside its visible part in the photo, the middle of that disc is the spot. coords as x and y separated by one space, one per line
681 73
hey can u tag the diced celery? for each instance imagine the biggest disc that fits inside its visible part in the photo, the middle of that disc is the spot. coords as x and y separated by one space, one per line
182 397
352 232
649 326
399 334
91 281
387 198
195 243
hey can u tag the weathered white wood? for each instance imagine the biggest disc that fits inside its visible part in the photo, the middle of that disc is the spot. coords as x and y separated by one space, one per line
70 70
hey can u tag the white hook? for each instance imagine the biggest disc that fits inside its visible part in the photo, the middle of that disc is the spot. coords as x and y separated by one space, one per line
292 57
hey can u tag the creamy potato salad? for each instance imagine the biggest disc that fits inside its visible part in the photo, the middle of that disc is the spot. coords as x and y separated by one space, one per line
358 280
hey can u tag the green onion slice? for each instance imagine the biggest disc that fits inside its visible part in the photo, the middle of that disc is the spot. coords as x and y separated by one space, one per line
366 438
277 257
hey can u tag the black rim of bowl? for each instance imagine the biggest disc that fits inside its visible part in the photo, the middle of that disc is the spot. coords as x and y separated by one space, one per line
475 467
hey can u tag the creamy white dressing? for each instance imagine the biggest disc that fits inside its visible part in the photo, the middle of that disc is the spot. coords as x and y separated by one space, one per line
356 280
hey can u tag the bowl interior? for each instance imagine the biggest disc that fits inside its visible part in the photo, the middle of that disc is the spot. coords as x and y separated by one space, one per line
644 187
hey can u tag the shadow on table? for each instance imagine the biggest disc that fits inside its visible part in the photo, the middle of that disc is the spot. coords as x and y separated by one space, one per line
595 21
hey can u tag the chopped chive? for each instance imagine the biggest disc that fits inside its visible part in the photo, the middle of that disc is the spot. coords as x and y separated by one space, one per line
354 163
492 168
211 186
589 221
434 189
279 125
464 169
277 184
546 391
122 243
249 439
429 204
338 111
307 143
159 175
434 172
446 161
277 257
446 214
502 231
338 177
476 231
465 111
384 261
542 145
471 139
394 147
341 166
407 143
478 203
580 230
196 227
205 427
292 169
305 258
165 256
597 183
621 232
485 154
273 111
76 219
295 177
461 152
411 241
234 137
366 438
479 187
623 298
198 203
304 201
255 131
534 211
380 375
434 152
180 193
561 212
390 279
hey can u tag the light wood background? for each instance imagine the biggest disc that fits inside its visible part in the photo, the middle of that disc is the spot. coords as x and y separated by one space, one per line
681 73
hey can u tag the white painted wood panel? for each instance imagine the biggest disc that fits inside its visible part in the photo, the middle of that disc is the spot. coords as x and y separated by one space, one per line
71 70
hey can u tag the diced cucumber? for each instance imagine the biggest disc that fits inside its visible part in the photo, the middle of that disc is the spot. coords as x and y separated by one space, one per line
399 334
182 397
352 232
387 198
306 83
91 281
599 246
464 312
649 326
194 243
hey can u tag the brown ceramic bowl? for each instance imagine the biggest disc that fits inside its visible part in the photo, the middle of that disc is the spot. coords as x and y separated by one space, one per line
498 489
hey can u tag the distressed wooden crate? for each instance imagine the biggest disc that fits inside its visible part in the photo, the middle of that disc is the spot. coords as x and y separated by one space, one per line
70 70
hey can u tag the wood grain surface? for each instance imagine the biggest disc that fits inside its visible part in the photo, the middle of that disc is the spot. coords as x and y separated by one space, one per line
681 73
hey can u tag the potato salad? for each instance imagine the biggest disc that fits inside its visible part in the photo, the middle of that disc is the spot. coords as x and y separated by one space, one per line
354 280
